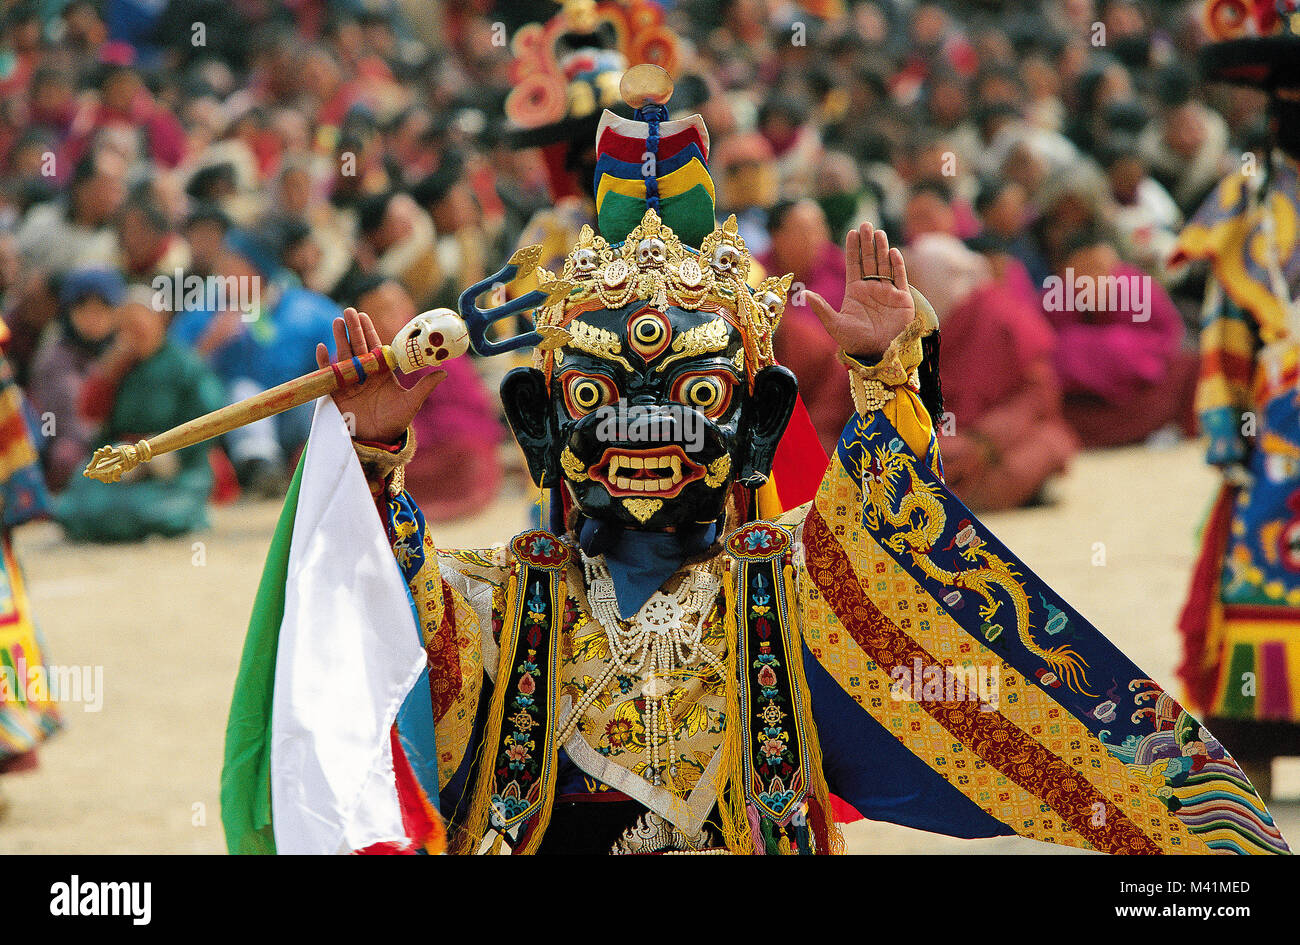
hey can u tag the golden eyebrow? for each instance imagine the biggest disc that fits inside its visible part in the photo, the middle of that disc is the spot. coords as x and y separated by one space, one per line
702 339
597 342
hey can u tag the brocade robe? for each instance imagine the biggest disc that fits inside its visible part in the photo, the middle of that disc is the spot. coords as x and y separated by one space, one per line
917 670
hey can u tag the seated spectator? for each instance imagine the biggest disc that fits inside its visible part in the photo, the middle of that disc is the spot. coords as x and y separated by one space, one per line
456 470
747 185
1120 355
59 235
81 337
1003 207
785 121
206 230
300 251
397 239
30 305
1008 271
1071 201
463 236
840 193
145 384
125 102
1106 80
929 210
1186 145
1002 435
801 244
1145 217
149 246
263 337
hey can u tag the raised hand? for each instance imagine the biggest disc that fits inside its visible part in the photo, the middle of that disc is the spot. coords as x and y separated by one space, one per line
877 302
381 409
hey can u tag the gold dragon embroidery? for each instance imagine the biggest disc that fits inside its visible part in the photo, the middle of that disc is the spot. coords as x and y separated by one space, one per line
897 496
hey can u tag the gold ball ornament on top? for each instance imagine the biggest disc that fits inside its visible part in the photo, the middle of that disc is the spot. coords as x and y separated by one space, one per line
646 84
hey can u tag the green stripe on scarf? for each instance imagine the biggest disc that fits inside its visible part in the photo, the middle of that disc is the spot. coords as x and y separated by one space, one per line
246 772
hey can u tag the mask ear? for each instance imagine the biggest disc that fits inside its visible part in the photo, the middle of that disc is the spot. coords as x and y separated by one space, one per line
527 405
766 416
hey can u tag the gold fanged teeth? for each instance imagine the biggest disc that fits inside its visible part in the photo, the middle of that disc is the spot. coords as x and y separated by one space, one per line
621 464
572 466
719 469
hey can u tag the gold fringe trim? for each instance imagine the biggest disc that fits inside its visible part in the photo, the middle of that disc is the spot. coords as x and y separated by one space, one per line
379 464
476 823
471 837
732 816
829 832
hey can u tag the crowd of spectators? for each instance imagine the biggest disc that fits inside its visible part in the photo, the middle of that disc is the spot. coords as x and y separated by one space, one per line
312 152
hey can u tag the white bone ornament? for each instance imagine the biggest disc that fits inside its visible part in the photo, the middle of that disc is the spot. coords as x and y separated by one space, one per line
725 258
429 339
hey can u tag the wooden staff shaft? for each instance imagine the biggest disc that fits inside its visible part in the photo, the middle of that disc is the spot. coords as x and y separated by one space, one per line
110 462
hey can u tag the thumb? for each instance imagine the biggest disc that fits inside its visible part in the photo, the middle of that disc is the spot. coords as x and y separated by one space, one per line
420 392
824 311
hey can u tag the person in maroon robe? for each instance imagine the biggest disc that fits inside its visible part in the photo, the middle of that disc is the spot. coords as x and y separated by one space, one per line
1002 432
802 245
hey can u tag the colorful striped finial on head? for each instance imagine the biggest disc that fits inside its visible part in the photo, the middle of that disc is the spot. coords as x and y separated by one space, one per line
648 162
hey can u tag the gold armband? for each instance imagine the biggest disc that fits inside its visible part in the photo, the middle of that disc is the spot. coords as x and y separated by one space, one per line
386 466
872 384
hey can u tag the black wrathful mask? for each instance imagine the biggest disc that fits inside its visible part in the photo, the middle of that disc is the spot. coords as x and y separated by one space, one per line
648 418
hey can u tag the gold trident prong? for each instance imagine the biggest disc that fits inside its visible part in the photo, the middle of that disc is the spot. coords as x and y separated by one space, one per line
110 463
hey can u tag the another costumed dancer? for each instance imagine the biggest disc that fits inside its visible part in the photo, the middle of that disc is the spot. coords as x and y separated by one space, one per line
28 715
678 664
1241 623
565 74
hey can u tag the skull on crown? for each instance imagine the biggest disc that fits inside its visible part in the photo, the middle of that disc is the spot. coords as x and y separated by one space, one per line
651 253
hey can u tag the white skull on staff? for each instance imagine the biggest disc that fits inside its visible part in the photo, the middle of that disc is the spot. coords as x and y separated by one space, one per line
429 339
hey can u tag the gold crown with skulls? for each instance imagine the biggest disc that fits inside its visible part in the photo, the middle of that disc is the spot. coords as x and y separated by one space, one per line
654 266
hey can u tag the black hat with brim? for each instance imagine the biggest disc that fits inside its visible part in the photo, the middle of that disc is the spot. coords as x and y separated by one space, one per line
1262 62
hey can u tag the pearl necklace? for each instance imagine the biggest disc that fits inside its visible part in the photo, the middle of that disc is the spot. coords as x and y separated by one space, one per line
663 639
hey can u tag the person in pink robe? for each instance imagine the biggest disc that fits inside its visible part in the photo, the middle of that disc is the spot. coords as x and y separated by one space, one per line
1123 368
457 469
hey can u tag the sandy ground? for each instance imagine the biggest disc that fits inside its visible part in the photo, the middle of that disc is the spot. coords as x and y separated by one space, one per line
165 620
